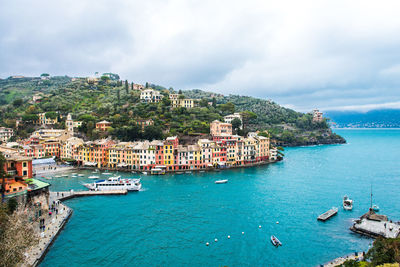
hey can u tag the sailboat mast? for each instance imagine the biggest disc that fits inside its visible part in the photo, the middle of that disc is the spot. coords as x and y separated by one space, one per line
371 196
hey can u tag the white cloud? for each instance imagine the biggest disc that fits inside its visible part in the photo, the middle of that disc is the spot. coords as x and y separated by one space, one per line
302 54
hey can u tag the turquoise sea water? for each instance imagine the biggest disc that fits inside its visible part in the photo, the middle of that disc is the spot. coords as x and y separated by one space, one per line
171 219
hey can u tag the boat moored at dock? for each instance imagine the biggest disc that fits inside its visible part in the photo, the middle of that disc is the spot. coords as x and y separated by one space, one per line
221 181
115 183
328 214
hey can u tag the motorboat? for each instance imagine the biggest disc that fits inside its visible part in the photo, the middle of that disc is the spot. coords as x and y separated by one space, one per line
115 183
221 181
81 175
275 241
106 173
145 173
93 177
347 203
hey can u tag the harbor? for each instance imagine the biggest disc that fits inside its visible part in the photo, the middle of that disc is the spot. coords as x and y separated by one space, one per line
178 214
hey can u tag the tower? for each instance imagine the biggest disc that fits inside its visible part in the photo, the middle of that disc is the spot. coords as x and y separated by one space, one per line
70 125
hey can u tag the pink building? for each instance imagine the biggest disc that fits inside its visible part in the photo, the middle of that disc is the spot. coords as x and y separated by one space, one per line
218 128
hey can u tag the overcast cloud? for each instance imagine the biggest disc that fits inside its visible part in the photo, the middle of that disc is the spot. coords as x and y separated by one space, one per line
302 54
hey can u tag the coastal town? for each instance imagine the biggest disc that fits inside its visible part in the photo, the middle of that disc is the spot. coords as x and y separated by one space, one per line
58 144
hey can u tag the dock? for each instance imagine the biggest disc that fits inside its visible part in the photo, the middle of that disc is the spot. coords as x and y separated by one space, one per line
374 225
327 215
64 195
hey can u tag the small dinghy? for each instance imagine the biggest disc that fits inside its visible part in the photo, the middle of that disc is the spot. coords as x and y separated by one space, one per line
145 173
221 181
275 241
93 177
64 175
81 175
57 176
106 173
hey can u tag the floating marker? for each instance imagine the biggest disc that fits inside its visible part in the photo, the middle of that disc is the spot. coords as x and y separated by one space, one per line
229 236
259 226
242 233
216 240
207 244
277 222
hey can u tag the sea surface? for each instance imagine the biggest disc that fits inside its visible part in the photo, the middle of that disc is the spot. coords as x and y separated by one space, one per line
169 222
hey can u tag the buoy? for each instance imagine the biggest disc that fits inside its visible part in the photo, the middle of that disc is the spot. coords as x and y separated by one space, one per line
242 233
229 236
277 222
259 226
207 244
216 240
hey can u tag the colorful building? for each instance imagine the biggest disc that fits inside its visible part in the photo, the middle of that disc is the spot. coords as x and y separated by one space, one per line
103 126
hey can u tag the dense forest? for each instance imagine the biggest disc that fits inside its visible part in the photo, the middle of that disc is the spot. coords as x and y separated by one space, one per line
118 102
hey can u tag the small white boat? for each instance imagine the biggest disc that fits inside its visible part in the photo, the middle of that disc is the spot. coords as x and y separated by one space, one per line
375 207
188 172
57 176
94 172
93 177
275 241
64 175
81 175
221 181
106 173
145 173
74 173
347 203
74 176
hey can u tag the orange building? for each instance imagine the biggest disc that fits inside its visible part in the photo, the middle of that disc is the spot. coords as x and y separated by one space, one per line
103 125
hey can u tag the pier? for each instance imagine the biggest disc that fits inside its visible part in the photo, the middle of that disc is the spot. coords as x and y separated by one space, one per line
64 195
327 215
375 225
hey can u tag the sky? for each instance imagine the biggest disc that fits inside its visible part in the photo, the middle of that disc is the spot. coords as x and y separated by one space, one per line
331 55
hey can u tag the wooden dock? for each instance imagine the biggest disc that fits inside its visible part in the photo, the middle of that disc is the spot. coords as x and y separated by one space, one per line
71 194
327 215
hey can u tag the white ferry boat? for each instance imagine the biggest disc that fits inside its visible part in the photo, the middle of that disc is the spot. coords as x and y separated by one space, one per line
115 183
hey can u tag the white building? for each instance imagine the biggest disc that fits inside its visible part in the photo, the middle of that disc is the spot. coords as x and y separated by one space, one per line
5 134
231 117
150 96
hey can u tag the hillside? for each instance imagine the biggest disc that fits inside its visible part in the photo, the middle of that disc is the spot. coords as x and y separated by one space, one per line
381 118
118 102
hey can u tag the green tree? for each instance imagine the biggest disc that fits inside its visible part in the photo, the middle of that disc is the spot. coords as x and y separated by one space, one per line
384 251
236 123
214 102
119 96
126 86
51 115
247 116
17 102
3 175
152 132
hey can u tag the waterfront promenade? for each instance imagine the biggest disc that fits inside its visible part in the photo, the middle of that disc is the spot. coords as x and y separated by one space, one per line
55 222
339 261
52 226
